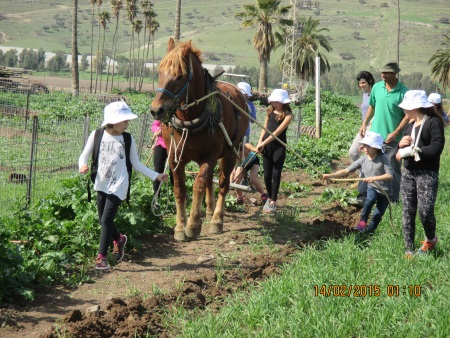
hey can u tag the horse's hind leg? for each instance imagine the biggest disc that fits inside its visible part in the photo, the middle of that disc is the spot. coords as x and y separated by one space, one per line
210 200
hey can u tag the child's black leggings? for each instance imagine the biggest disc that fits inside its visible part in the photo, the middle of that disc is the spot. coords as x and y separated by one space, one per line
107 206
273 161
159 162
419 191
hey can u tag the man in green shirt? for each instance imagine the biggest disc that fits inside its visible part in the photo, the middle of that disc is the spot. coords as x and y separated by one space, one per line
388 119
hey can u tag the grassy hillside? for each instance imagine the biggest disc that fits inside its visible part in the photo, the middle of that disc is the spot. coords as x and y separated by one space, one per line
366 32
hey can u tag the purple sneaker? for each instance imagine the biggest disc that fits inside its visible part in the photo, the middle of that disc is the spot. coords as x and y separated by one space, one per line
361 226
119 248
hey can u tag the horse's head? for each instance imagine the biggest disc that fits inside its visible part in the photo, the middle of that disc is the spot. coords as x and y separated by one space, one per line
175 74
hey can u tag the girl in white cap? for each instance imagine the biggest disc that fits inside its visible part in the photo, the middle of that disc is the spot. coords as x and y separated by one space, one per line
436 100
279 116
376 167
112 174
420 148
246 90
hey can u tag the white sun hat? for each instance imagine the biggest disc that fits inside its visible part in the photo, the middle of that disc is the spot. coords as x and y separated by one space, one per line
245 88
414 99
373 140
435 98
279 95
117 112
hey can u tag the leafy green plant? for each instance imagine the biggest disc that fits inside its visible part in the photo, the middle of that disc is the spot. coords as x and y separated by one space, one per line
335 194
295 189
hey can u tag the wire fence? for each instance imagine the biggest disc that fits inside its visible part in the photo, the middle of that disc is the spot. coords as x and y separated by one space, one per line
37 153
38 150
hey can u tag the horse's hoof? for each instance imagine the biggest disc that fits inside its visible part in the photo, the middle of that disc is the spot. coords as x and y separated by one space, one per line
215 228
193 233
180 236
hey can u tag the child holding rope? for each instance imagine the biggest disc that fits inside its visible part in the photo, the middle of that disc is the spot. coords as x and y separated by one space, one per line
251 163
159 154
246 90
115 153
376 167
279 116
420 148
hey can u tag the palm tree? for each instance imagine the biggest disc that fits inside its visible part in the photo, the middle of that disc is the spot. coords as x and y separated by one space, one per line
131 8
441 59
116 6
93 2
176 34
264 15
137 25
307 48
153 29
75 75
149 15
99 3
102 18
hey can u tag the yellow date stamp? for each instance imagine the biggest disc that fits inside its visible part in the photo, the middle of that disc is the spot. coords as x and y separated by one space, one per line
366 290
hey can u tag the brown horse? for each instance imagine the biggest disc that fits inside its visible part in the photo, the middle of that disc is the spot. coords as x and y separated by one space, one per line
198 127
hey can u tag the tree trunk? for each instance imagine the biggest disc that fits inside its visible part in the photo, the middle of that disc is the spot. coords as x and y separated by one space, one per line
113 48
75 75
98 52
153 62
92 46
176 35
263 76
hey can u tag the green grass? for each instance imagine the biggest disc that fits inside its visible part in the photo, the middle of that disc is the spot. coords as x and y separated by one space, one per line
213 29
292 305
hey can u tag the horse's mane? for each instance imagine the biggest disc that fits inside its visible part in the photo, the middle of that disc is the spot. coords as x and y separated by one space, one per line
173 62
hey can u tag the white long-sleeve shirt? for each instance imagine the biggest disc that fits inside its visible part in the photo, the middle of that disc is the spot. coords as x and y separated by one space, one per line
112 174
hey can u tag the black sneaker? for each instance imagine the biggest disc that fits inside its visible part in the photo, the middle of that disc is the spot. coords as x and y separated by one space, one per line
101 264
119 248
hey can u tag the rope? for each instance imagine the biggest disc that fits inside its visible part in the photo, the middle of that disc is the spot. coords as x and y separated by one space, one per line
150 145
196 102
183 140
382 191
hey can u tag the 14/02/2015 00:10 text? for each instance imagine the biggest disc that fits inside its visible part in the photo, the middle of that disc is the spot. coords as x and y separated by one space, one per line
369 290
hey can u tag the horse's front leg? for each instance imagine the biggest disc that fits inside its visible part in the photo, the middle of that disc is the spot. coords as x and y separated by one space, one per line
227 164
179 180
194 224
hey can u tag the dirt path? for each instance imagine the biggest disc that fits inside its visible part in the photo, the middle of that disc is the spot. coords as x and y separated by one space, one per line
133 296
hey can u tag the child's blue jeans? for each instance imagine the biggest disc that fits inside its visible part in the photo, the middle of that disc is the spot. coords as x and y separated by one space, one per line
381 201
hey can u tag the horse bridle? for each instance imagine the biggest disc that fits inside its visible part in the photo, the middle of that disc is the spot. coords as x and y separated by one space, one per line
176 98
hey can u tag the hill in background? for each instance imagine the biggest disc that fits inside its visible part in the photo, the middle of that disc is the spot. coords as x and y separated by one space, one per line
363 35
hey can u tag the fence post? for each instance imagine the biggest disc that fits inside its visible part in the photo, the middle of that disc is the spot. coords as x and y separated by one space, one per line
299 121
27 109
142 134
32 154
85 130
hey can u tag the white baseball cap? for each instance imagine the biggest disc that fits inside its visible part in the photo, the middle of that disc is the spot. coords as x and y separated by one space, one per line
435 98
117 112
279 95
414 99
373 140
245 88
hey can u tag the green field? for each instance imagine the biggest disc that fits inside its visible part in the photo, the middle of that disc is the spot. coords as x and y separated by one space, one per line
367 31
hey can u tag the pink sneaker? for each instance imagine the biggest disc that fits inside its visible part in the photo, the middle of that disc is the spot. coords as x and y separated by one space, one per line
361 226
